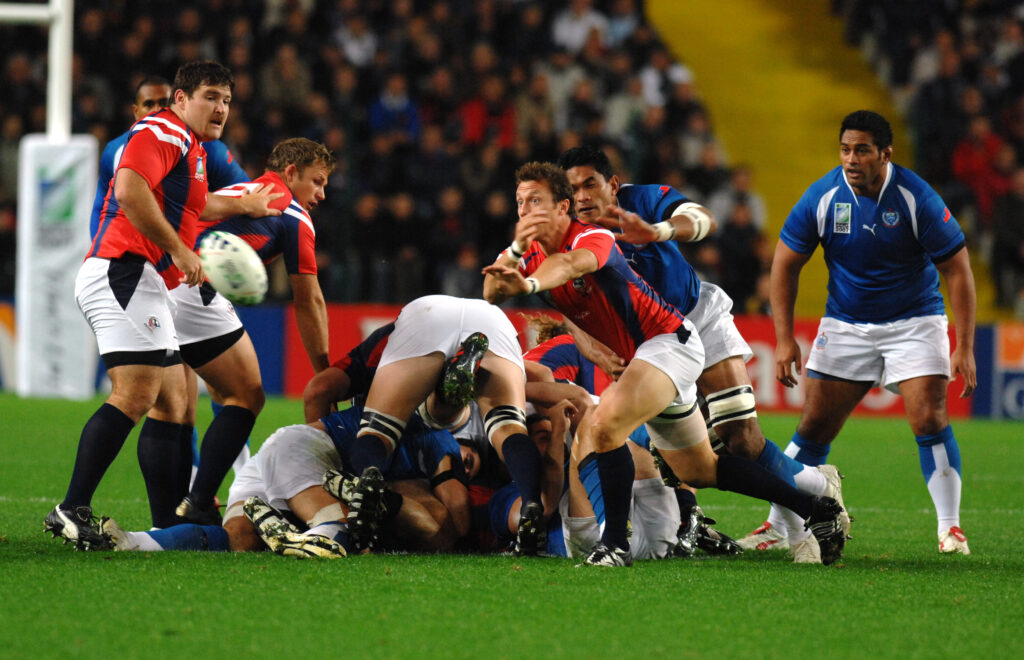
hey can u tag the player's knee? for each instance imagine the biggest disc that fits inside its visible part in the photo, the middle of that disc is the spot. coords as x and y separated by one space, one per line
502 421
742 438
242 536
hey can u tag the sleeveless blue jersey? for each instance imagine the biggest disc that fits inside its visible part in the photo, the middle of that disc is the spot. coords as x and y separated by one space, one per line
879 255
662 265
221 171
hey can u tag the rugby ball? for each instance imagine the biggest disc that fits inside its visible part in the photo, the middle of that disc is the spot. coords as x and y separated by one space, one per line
233 268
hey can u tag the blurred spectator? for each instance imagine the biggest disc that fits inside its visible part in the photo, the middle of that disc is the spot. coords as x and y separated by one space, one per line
974 164
461 277
394 113
937 120
623 22
356 40
1008 244
739 190
661 74
710 173
489 115
739 243
573 25
285 80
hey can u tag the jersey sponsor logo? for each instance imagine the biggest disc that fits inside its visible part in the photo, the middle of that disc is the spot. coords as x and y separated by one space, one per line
200 170
580 285
891 218
663 190
871 228
841 218
821 342
946 215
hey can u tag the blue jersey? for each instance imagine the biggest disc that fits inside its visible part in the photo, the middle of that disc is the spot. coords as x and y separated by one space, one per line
879 255
661 264
419 452
221 171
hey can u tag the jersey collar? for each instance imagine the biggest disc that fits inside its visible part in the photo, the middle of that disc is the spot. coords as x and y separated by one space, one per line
889 172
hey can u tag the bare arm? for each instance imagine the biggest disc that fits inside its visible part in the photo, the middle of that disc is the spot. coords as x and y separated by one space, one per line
690 222
963 301
311 317
785 277
322 393
144 213
605 358
502 282
455 497
254 203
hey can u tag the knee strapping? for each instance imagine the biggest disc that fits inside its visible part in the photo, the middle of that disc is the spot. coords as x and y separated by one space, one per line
385 426
500 416
330 513
677 427
731 404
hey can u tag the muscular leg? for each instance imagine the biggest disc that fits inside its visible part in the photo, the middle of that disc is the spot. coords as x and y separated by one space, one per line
235 375
925 402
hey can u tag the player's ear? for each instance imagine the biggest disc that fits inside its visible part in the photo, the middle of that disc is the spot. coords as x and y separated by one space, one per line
887 154
564 206
291 173
180 96
614 183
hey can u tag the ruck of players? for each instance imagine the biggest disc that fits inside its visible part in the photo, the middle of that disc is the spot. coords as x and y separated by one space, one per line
438 432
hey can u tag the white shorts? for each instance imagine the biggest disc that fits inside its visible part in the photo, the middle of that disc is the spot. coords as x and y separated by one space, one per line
202 314
653 513
683 363
248 483
127 304
293 459
883 353
440 323
712 316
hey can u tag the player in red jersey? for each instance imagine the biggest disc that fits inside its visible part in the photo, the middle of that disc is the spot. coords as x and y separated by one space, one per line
348 377
143 247
580 271
213 341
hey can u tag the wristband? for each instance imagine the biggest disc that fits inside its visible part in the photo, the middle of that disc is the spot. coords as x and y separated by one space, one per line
534 285
514 251
666 231
700 218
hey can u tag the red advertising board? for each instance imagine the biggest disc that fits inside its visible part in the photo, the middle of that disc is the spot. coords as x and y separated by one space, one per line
350 324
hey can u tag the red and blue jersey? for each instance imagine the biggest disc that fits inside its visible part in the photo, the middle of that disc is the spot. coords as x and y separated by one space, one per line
168 155
612 304
563 358
360 364
290 234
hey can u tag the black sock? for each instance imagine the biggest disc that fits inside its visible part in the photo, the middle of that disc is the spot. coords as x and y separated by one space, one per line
367 450
746 477
158 452
686 499
615 469
102 438
223 440
524 463
183 463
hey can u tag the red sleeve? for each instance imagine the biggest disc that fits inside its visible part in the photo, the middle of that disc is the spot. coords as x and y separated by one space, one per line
282 202
307 250
149 156
597 240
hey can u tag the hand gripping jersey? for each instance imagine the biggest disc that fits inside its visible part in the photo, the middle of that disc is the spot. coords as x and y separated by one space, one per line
290 234
560 355
221 172
167 154
880 256
661 264
613 304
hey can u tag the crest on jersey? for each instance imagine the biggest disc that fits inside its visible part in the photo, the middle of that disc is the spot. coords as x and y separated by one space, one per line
821 341
580 285
841 218
200 170
152 323
891 218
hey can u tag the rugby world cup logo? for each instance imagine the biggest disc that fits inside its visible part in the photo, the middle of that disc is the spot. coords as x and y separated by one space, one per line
821 342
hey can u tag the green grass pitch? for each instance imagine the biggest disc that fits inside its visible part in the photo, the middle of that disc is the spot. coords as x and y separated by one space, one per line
892 595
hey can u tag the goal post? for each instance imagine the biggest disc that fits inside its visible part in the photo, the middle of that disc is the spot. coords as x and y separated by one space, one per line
56 352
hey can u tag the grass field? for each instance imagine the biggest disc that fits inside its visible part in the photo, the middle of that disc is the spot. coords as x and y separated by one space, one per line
892 595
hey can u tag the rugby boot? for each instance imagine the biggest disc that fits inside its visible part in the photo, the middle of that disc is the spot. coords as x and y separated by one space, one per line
765 537
77 526
457 386
824 524
602 555
190 512
834 489
953 540
531 537
366 508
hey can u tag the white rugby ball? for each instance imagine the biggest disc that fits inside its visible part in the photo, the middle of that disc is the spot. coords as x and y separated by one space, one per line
233 268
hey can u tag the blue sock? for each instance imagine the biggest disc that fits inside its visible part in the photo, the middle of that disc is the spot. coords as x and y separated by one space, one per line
927 454
195 447
808 452
192 537
782 466
592 484
524 464
336 531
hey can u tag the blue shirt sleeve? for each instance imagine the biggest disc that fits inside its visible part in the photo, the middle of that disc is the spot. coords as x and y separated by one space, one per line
106 173
937 229
222 170
800 231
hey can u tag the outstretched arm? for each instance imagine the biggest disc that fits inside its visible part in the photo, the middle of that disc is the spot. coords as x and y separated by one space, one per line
502 282
254 203
785 278
962 299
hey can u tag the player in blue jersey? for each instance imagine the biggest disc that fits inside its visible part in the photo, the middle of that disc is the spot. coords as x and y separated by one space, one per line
581 271
649 220
886 236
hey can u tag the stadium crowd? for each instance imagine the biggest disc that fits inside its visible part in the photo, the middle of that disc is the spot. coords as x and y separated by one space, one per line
428 108
957 73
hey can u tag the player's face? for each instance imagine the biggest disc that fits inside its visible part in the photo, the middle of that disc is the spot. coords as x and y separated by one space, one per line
470 460
151 98
592 194
863 162
307 186
540 433
206 111
536 197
